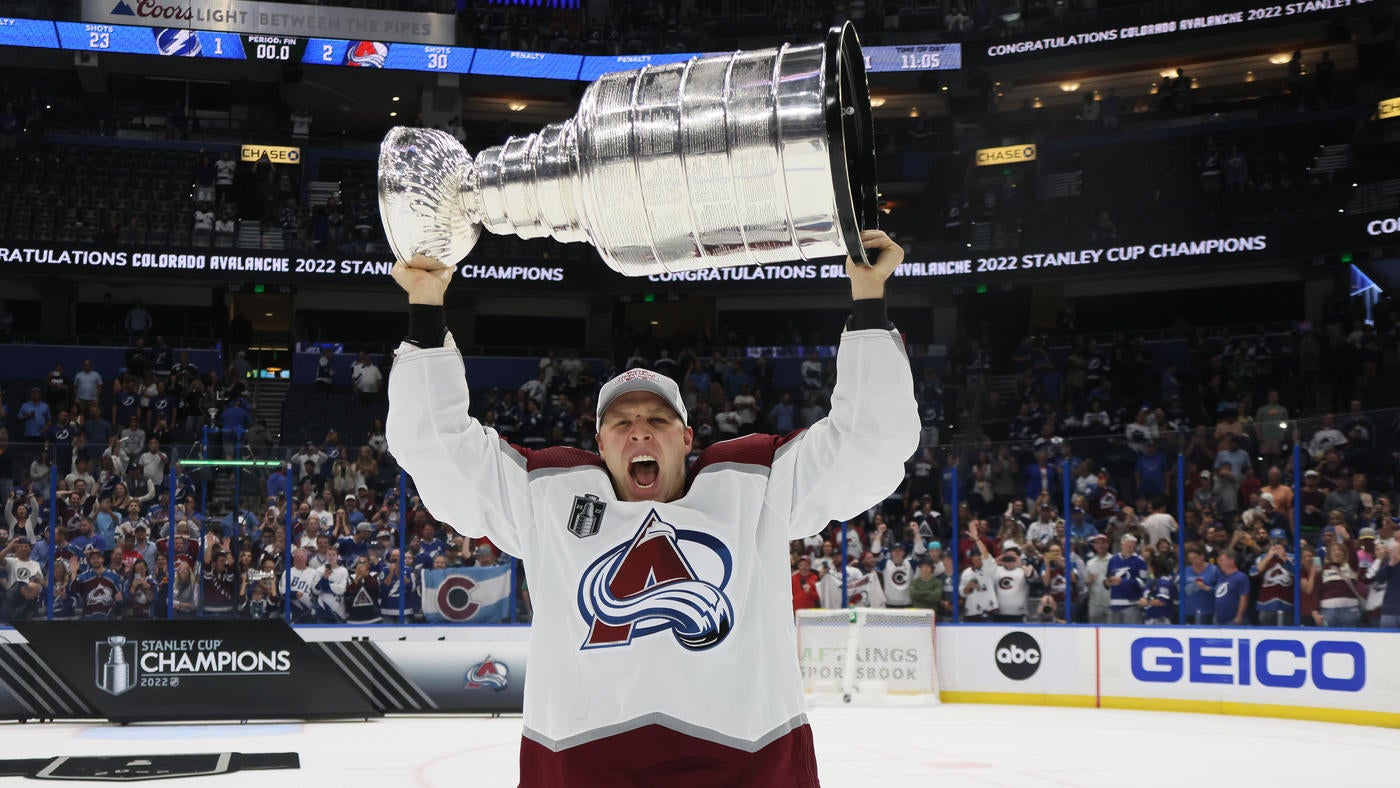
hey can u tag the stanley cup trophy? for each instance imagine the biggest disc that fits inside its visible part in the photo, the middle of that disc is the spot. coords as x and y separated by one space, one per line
725 160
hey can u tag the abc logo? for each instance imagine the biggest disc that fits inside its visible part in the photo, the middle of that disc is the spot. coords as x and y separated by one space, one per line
1018 656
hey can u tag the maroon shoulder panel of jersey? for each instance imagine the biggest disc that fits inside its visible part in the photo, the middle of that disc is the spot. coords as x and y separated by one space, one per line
558 457
756 449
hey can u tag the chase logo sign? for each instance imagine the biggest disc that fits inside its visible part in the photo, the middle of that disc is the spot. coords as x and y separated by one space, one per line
1011 154
116 665
275 153
1331 665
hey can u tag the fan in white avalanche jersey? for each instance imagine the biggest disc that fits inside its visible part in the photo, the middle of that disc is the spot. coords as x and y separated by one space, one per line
896 574
662 647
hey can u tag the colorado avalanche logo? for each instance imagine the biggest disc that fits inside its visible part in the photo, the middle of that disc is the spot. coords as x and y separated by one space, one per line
367 54
651 585
488 674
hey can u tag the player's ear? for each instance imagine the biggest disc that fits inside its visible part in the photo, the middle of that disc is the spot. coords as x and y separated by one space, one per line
689 438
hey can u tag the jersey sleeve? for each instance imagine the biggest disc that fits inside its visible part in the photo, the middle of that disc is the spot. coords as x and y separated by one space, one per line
854 457
465 473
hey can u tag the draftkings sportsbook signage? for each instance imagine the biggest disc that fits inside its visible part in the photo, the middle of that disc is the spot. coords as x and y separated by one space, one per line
195 669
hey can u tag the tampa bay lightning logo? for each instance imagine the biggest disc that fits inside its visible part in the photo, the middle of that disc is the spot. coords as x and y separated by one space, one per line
177 43
662 579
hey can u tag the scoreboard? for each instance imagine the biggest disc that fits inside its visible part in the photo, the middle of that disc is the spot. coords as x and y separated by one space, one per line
914 57
180 42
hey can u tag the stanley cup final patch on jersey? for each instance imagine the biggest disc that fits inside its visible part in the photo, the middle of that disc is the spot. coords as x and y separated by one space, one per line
587 515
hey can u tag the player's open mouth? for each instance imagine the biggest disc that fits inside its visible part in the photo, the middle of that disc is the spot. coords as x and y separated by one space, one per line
643 469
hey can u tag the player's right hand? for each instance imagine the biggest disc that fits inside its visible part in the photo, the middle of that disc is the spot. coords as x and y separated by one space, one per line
424 278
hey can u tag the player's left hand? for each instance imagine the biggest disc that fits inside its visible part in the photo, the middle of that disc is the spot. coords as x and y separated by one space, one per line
869 281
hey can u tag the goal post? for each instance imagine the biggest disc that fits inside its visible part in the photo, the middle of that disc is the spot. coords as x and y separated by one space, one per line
867 656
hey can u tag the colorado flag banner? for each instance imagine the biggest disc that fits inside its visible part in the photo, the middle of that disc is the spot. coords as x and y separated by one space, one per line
480 594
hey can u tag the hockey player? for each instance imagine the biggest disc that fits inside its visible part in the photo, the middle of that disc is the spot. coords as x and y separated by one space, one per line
662 580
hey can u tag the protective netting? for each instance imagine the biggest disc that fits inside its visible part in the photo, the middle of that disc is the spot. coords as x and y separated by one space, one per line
868 655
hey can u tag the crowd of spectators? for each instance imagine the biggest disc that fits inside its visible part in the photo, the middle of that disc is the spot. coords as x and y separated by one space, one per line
1088 442
985 496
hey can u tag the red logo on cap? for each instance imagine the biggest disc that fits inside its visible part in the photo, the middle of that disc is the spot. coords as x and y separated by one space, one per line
636 374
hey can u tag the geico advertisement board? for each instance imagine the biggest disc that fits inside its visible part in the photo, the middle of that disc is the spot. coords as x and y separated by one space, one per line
1345 672
1026 664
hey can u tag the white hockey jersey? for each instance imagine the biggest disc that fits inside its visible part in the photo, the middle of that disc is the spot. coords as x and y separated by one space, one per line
663 637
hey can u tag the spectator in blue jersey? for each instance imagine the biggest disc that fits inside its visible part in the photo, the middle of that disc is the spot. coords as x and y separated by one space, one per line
1231 593
98 589
233 424
1151 472
81 537
362 594
59 436
1200 579
36 415
65 604
87 386
1040 477
1126 575
429 545
783 416
276 484
96 429
127 404
1232 452
259 590
1159 602
356 545
163 406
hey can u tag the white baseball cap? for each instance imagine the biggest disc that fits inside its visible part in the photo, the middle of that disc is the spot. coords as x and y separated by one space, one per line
641 380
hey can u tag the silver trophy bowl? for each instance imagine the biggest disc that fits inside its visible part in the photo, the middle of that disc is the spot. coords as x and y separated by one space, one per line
724 160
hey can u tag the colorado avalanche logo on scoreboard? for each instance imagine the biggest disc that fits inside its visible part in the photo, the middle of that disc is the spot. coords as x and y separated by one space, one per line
663 579
488 674
367 54
177 43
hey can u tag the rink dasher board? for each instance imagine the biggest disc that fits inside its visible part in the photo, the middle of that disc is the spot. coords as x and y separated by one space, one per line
1328 675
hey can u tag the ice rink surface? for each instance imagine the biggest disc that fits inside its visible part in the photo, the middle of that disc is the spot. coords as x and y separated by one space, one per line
948 746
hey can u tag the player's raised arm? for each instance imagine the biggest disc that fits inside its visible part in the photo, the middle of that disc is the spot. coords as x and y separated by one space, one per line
853 458
466 474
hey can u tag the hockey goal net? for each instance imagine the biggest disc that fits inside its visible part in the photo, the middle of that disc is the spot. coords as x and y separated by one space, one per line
868 656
